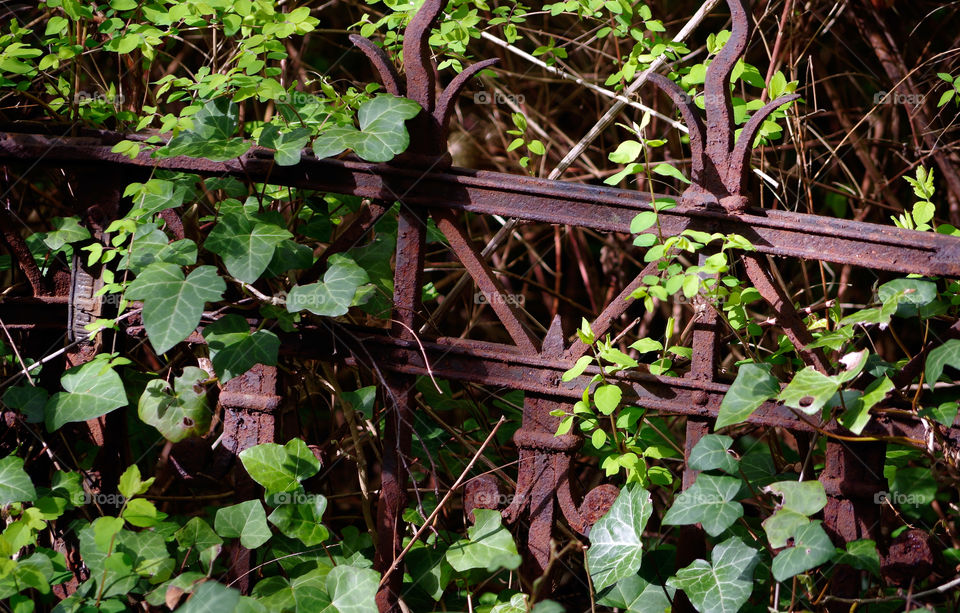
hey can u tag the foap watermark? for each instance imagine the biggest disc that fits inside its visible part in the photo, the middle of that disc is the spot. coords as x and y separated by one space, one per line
297 497
82 97
899 498
84 498
508 299
883 97
484 97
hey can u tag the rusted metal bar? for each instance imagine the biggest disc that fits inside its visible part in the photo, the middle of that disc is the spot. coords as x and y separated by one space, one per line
249 403
779 233
483 276
601 325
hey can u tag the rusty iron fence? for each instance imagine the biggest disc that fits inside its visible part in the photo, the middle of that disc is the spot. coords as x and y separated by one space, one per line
426 184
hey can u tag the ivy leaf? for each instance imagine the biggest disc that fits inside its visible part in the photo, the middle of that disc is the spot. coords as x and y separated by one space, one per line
947 354
382 134
709 502
172 304
234 350
93 389
804 497
301 520
211 597
635 595
15 483
753 386
799 500
150 245
66 230
782 525
155 195
724 585
429 569
712 452
856 417
861 554
28 400
280 468
811 547
616 541
245 244
131 484
334 295
809 390
489 545
246 520
177 411
352 590
288 145
197 534
212 133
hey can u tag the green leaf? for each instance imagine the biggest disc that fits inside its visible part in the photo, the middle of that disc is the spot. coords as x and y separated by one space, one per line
28 400
93 389
352 590
812 547
782 525
211 597
301 520
861 554
723 586
753 386
946 413
67 230
333 296
607 398
947 354
197 534
577 368
280 468
616 540
131 483
245 244
635 595
178 411
288 145
712 452
172 304
246 520
429 569
234 349
809 390
489 545
804 497
628 151
667 170
856 417
643 221
709 502
212 133
382 135
15 483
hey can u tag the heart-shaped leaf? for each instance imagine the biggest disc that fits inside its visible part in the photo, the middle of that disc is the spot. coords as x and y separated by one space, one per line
92 389
245 244
616 539
172 304
234 349
489 545
709 501
246 520
179 411
724 585
280 468
334 295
